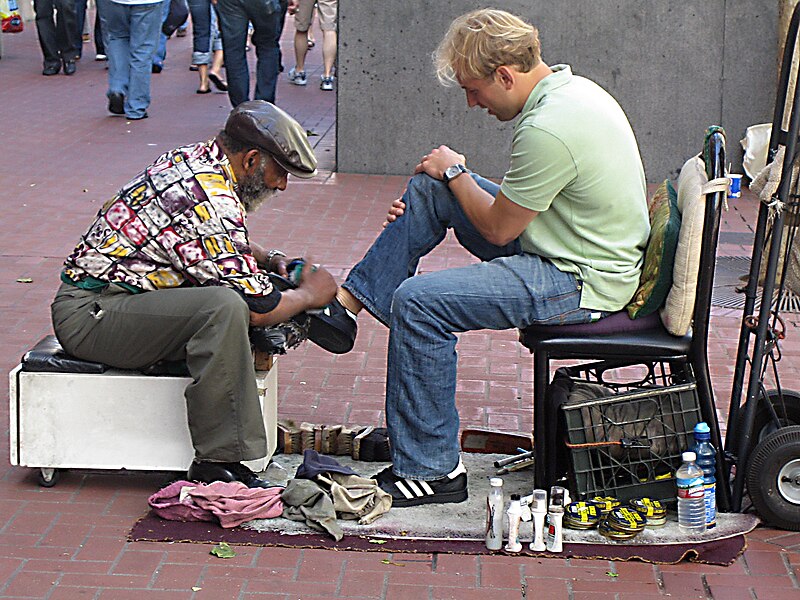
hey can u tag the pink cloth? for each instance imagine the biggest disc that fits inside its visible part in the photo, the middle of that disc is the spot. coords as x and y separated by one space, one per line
234 503
166 503
231 503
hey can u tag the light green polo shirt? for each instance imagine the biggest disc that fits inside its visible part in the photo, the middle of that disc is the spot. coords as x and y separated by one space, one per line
575 160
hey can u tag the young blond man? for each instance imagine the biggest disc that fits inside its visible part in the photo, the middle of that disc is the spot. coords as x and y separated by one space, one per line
560 240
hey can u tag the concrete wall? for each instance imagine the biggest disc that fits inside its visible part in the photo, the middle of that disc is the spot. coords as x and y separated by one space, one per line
675 66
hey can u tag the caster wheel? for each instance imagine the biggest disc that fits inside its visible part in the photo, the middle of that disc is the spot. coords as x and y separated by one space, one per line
788 413
773 478
49 477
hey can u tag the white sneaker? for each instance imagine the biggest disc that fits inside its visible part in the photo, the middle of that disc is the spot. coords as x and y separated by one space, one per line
297 77
100 56
326 83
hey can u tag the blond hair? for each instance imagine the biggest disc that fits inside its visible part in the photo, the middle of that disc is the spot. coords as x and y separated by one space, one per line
479 42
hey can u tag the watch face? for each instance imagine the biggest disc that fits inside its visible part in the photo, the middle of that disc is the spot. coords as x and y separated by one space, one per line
451 171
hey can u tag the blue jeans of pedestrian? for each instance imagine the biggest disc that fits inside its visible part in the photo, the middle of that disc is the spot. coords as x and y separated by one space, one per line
234 16
507 289
201 31
160 55
131 33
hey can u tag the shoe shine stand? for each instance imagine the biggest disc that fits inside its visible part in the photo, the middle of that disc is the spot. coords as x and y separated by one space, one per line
67 413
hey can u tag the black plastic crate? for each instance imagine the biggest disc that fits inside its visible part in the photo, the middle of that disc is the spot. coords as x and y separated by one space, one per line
630 444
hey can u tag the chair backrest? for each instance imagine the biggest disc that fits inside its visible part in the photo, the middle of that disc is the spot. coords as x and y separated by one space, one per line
702 188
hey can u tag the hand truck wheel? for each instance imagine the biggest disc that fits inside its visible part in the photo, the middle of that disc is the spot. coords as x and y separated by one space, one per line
788 414
773 478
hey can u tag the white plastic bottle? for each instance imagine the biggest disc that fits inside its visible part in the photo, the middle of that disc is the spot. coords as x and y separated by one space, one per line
494 514
514 516
555 518
691 495
539 510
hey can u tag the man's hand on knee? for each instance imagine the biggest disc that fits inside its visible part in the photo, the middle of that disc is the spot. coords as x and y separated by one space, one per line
396 210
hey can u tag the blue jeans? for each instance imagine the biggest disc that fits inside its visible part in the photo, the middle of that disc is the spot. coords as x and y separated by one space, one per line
508 289
201 31
131 33
234 16
160 55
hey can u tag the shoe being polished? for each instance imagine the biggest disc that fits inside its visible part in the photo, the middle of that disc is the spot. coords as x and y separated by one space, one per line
413 492
208 472
332 327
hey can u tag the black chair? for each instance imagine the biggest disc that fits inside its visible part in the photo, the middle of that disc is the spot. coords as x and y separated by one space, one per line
618 341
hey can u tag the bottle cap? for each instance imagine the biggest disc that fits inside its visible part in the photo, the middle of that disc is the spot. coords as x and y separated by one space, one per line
689 457
515 497
496 482
539 501
702 427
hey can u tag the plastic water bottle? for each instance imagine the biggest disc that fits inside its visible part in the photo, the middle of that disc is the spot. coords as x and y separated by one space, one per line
494 515
707 460
691 496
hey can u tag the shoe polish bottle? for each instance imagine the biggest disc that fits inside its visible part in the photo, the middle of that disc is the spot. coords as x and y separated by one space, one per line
514 513
555 517
539 510
494 515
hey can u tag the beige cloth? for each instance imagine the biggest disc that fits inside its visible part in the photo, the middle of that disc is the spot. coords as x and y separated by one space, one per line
356 497
766 185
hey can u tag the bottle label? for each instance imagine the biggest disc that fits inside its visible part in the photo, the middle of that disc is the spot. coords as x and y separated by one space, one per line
490 516
691 488
711 504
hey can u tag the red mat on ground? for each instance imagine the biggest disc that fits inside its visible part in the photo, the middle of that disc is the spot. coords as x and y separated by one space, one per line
721 551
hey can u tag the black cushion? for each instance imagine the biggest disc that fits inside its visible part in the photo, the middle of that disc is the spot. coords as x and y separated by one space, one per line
49 357
614 336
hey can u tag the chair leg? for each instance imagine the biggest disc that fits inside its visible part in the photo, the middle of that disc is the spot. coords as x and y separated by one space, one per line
708 411
541 378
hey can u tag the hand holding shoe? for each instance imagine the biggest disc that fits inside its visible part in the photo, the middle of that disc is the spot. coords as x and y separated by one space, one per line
318 284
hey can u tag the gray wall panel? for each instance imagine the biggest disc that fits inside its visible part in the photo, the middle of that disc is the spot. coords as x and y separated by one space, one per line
674 66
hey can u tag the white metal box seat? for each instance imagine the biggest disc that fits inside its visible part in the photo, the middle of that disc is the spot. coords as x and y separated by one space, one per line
69 413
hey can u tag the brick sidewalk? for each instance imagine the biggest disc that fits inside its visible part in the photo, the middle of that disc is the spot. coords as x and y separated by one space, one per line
63 156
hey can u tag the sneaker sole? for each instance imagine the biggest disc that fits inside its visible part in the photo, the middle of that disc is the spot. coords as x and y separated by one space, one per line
328 338
439 498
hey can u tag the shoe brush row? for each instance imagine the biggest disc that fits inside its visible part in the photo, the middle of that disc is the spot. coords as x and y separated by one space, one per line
361 443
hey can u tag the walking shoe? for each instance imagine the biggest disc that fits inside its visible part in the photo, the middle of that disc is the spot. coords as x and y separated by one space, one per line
53 69
326 84
208 472
116 103
69 67
413 492
100 57
332 327
297 77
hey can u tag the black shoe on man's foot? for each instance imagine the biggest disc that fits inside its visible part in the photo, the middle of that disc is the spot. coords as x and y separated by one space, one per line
208 472
332 327
116 103
413 492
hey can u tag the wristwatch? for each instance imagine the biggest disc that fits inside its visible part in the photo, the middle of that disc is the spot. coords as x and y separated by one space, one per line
451 173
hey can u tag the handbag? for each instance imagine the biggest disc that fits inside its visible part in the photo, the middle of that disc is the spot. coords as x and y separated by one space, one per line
178 13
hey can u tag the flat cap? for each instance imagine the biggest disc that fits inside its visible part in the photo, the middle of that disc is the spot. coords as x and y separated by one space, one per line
268 127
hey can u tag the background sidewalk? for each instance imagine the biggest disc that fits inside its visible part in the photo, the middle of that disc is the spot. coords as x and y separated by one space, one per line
63 155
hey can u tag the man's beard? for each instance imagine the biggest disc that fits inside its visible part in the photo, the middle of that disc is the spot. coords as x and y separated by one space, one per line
253 191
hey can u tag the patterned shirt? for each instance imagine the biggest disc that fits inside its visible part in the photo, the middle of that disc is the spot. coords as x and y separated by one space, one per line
178 223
